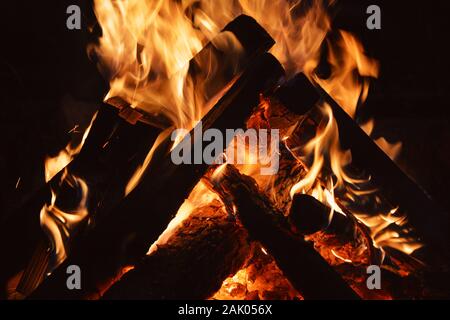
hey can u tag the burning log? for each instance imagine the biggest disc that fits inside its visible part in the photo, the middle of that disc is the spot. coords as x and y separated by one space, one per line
308 272
238 43
396 186
105 162
124 238
108 159
198 257
309 215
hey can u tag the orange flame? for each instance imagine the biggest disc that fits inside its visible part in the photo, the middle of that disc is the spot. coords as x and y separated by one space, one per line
200 195
55 164
56 222
146 46
59 224
348 85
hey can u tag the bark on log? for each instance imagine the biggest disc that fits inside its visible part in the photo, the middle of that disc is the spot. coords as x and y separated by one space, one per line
308 272
206 249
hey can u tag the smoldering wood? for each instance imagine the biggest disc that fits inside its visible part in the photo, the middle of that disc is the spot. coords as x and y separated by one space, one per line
139 219
204 250
308 272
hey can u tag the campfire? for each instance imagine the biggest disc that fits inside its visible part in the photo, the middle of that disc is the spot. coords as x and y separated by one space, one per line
296 201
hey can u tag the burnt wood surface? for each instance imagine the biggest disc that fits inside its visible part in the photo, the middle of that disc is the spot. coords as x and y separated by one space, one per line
309 215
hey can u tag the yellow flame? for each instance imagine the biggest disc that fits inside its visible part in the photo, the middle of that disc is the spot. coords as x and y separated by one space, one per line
383 236
146 46
200 195
325 147
59 224
340 257
351 71
55 164
391 149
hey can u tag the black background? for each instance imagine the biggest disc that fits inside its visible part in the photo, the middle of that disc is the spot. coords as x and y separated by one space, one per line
48 84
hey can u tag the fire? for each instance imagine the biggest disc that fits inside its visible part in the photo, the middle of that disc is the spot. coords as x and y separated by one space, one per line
145 49
351 71
391 149
389 229
55 164
60 224
200 195
146 46
56 222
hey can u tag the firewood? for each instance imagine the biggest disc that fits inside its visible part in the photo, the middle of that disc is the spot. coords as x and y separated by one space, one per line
206 249
308 272
397 188
117 143
105 163
139 219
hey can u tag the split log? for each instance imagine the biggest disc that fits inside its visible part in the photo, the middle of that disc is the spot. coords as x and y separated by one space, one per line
203 251
139 219
308 272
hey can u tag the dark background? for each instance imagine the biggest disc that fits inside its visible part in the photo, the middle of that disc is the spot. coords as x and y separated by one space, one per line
48 85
